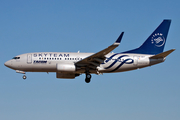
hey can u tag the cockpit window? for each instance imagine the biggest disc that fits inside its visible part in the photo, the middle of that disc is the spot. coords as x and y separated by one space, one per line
16 58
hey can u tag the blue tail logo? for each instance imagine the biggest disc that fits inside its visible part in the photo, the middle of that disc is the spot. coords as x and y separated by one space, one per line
158 39
155 43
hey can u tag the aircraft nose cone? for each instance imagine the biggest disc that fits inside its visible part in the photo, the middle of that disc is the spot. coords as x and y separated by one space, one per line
7 64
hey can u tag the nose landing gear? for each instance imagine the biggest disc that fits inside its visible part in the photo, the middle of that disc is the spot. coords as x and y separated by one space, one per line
22 72
24 77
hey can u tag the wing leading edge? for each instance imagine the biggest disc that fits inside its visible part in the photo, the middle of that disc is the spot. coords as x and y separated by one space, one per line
96 59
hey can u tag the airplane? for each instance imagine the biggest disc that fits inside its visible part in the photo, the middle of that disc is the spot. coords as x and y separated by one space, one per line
70 65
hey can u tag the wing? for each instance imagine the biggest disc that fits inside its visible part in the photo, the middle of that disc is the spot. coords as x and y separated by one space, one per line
91 62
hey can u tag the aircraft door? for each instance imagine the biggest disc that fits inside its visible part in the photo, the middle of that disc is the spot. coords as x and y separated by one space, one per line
29 58
135 60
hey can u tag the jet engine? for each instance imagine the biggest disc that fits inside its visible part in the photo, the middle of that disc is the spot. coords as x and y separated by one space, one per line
66 67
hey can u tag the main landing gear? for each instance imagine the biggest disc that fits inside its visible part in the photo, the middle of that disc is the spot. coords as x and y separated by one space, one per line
88 77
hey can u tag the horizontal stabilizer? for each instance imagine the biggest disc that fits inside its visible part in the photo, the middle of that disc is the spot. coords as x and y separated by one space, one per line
162 55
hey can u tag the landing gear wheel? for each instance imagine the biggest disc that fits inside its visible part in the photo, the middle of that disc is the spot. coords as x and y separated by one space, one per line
24 77
88 78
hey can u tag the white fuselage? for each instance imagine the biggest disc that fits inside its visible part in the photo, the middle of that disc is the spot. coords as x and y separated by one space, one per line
48 61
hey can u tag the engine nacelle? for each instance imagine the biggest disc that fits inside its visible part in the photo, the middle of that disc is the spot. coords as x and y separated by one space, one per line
66 67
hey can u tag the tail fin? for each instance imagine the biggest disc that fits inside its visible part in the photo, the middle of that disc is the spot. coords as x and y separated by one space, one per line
155 42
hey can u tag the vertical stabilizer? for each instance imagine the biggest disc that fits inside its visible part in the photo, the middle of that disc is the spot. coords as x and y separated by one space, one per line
155 42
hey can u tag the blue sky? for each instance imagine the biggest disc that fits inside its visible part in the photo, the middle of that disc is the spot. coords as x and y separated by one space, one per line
88 26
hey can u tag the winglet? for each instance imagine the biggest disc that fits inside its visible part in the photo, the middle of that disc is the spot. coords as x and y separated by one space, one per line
119 39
